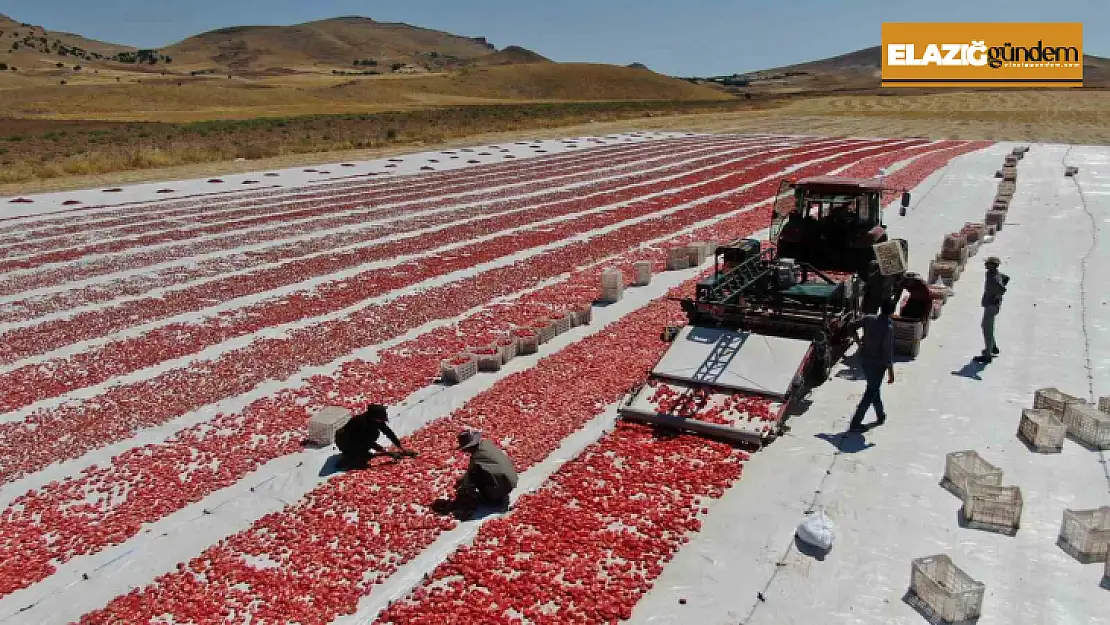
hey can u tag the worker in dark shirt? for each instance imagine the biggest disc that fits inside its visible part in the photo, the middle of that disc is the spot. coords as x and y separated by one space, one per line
993 290
360 435
876 352
920 303
490 476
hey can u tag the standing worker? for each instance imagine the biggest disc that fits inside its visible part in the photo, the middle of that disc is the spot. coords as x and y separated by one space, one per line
877 357
993 290
490 476
359 435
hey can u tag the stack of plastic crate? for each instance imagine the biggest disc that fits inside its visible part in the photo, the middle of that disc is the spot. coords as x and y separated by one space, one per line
583 314
907 336
943 592
1055 400
544 329
612 285
642 271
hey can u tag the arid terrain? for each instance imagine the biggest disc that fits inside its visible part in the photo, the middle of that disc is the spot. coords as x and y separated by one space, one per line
80 112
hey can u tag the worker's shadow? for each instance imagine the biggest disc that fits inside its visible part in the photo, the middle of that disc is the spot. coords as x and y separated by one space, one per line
334 465
971 370
853 368
847 442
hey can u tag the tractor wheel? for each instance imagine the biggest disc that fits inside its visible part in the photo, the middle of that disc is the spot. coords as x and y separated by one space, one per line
821 367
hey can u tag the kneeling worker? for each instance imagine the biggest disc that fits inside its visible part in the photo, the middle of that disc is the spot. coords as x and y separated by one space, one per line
490 476
359 435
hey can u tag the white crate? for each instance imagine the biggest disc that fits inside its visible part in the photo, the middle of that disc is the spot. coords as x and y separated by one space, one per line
945 591
612 285
489 357
963 468
642 270
323 425
1055 400
1088 425
1042 431
562 321
890 257
996 508
1085 534
544 329
527 341
507 345
458 368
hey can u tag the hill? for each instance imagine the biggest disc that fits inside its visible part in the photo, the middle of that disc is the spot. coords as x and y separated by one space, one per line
512 55
862 69
332 43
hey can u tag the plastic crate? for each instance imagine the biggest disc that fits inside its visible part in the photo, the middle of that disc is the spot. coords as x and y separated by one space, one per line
489 357
995 508
1042 431
458 368
1088 425
907 347
527 341
1104 404
678 258
962 468
544 329
698 252
1085 534
323 425
583 314
642 269
908 330
507 345
1054 400
996 218
891 258
562 322
944 591
953 242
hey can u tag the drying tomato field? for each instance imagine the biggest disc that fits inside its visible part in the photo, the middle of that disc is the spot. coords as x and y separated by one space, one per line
161 355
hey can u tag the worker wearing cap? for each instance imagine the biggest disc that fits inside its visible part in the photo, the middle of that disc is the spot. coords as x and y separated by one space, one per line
993 290
490 476
359 435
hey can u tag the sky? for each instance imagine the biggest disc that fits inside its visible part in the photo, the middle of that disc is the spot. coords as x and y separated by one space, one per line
676 37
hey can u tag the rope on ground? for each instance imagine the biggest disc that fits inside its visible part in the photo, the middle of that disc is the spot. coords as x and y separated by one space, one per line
1084 316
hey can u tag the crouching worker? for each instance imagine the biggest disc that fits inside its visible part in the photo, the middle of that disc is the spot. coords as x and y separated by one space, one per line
359 436
919 305
490 476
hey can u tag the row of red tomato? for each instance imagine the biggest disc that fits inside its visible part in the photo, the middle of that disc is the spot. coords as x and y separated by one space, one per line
220 452
70 430
355 530
108 264
405 222
118 215
35 382
589 544
315 205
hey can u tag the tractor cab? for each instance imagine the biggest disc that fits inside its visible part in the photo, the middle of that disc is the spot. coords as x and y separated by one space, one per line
829 222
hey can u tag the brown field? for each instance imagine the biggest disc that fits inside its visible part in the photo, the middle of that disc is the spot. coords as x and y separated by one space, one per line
248 98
